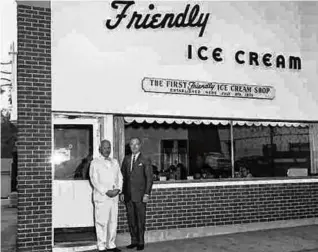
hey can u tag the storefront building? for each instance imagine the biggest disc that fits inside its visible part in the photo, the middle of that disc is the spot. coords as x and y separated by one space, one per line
221 94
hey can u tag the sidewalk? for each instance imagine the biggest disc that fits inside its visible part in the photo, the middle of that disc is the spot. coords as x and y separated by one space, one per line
297 239
302 239
8 228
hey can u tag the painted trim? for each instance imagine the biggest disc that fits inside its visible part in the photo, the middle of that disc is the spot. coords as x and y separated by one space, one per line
81 121
233 183
107 130
52 176
114 113
35 3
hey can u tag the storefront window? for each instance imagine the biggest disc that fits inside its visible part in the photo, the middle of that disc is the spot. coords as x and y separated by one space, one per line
73 151
180 151
184 151
271 151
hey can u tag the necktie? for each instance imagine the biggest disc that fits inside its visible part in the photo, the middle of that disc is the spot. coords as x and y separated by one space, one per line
133 161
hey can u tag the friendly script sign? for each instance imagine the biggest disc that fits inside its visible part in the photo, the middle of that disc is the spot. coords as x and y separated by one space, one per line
168 86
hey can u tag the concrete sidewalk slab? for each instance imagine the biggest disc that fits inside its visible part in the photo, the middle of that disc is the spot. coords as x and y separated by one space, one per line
297 239
292 239
8 229
278 240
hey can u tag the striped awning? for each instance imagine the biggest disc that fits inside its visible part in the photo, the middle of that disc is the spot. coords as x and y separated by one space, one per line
160 120
273 124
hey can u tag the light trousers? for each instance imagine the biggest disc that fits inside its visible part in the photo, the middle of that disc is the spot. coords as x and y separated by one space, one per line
106 215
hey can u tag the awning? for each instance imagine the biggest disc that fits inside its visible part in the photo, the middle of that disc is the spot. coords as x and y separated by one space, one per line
273 124
160 120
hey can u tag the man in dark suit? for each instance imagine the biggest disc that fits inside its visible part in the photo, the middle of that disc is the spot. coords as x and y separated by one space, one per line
137 183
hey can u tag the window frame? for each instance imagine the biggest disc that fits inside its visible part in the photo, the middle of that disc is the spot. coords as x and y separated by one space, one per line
78 120
233 123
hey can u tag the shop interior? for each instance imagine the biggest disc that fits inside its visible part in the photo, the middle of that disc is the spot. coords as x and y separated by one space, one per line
190 151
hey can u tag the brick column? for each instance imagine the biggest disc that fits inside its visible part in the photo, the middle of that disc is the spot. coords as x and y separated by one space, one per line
34 126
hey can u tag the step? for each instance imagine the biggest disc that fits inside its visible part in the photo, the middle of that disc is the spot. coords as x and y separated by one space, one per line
13 199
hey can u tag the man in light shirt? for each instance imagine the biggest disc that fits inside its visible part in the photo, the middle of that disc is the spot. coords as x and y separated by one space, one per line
107 182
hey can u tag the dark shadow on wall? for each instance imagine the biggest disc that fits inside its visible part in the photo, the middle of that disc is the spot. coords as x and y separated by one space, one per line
82 170
9 133
8 138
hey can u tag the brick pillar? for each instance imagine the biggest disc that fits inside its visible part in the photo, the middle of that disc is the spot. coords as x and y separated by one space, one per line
34 129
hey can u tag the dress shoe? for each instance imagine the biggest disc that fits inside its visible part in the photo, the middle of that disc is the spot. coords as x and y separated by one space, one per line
140 247
131 246
114 250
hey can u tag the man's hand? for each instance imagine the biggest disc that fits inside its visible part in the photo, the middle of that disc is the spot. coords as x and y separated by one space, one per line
145 199
122 197
112 193
116 191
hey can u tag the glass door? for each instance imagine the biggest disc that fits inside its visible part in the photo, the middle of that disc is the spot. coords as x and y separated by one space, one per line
76 143
73 151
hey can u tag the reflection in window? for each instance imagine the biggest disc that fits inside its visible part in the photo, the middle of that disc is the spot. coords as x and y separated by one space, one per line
177 151
204 151
73 151
174 158
271 151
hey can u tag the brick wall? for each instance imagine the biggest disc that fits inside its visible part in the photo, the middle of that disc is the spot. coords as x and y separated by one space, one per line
226 205
34 129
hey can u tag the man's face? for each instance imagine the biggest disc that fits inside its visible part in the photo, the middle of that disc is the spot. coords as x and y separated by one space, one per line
105 149
135 145
209 161
244 171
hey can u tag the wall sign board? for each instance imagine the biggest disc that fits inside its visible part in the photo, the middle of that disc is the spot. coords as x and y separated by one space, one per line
113 45
169 86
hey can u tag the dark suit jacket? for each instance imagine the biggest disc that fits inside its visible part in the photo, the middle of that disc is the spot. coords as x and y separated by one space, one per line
138 182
